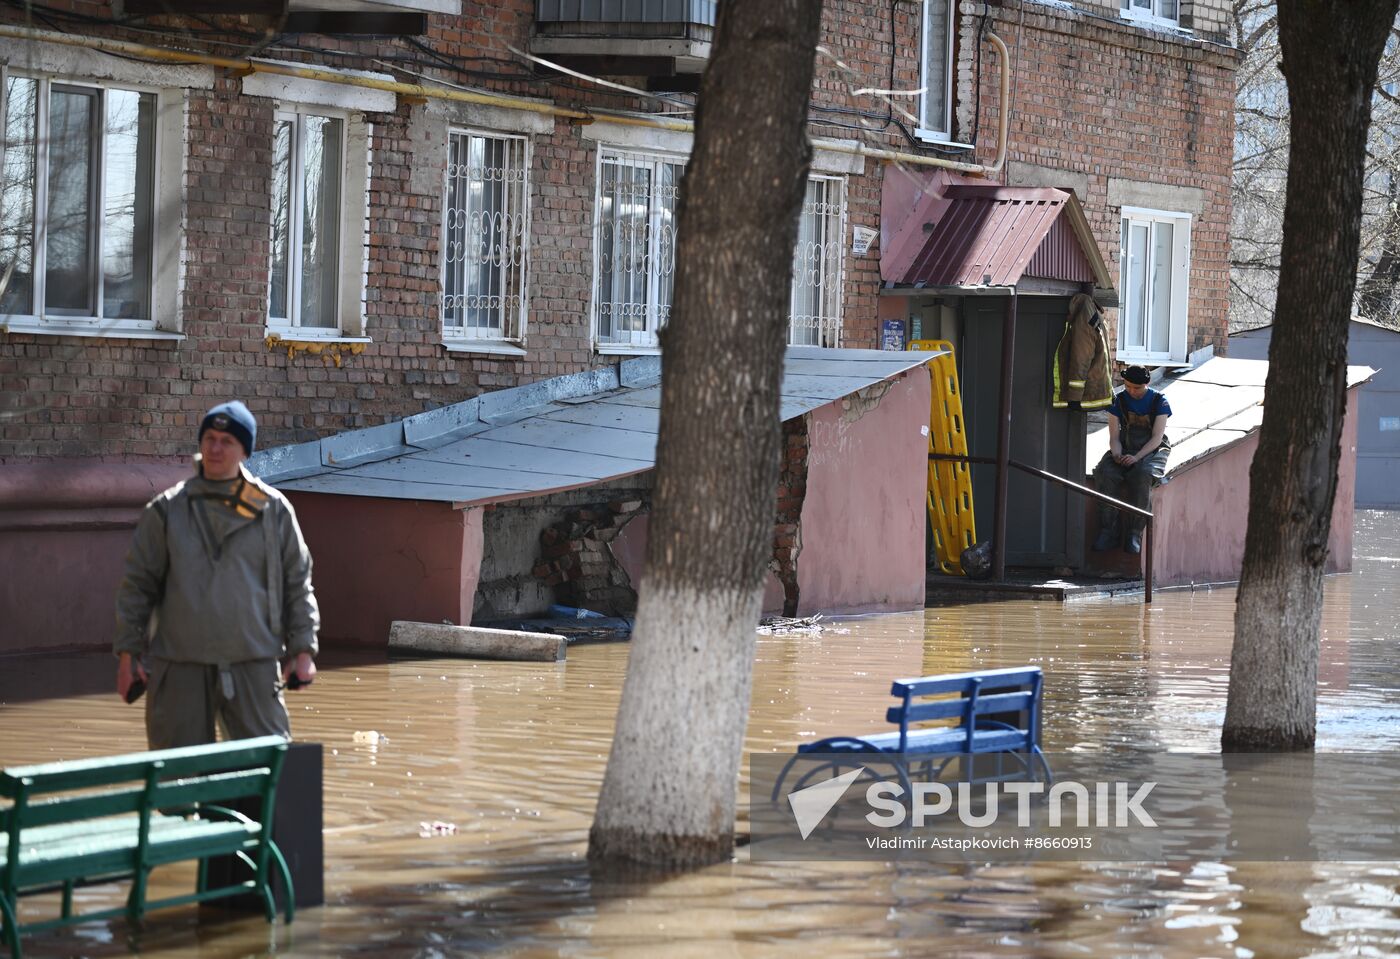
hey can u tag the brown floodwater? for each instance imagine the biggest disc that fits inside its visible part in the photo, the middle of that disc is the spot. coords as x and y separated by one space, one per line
512 754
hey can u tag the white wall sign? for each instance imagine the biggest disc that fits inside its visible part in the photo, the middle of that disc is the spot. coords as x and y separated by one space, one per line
861 239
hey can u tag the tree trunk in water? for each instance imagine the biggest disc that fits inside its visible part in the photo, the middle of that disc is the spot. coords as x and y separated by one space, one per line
668 797
1330 56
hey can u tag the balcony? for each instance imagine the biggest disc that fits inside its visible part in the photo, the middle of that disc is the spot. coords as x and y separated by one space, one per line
665 42
390 17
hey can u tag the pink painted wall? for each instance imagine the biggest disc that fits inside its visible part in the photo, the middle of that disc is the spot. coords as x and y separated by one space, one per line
863 517
64 533
378 560
1200 517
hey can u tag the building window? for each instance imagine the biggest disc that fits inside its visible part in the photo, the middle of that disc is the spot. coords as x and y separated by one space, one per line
635 250
936 107
307 159
1154 272
486 227
77 188
815 318
1153 11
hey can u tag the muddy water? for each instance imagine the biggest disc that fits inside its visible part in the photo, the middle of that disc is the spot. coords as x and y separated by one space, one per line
512 755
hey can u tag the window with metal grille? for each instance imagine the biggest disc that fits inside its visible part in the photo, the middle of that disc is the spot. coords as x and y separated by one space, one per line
815 318
635 249
77 187
1154 273
307 164
486 229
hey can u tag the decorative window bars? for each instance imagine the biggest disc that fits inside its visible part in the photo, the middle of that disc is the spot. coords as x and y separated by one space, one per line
485 238
816 267
636 246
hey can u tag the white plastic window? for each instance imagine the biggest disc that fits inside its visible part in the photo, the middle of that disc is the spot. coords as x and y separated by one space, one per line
77 205
1154 275
307 163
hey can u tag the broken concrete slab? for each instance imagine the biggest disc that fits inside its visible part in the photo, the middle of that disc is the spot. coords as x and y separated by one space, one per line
475 642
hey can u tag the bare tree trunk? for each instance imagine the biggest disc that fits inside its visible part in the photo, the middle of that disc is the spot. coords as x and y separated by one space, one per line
668 797
1330 56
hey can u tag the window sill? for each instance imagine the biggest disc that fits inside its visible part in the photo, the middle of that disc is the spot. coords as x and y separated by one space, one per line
488 347
91 330
624 349
291 335
1154 23
940 139
1151 362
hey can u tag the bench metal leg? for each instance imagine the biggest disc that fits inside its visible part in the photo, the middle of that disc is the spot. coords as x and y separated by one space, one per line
1044 765
10 921
286 879
68 899
136 900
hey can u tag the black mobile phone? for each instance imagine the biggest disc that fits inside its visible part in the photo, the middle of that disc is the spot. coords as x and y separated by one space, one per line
135 690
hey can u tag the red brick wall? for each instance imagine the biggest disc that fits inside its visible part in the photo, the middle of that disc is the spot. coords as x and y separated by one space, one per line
1090 96
1109 100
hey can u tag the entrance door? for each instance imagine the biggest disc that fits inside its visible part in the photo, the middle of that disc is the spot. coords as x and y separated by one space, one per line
1045 521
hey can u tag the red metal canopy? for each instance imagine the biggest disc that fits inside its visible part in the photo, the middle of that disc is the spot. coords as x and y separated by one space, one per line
988 235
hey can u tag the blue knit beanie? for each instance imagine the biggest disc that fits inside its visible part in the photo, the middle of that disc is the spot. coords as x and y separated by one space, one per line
235 419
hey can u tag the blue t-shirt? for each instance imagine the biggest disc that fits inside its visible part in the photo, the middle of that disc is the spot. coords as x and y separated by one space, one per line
1141 412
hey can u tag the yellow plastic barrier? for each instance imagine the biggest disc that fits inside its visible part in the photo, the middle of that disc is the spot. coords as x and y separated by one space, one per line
949 484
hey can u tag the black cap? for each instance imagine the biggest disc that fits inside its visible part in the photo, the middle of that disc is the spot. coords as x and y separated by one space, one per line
1138 375
235 419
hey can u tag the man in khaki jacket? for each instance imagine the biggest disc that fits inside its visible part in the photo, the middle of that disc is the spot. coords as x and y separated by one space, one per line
217 590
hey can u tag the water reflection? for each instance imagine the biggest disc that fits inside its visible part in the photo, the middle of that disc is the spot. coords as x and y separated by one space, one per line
512 755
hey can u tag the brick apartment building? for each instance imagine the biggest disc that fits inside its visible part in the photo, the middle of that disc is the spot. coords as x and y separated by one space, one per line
343 227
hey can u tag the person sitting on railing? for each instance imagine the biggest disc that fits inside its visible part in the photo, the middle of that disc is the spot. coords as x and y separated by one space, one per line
1137 455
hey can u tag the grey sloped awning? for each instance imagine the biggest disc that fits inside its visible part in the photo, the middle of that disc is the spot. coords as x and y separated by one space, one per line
557 434
1216 405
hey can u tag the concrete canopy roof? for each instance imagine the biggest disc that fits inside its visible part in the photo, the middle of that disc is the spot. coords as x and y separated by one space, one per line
1214 406
557 434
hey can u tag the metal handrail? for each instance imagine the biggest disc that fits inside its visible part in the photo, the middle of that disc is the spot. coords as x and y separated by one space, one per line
1088 491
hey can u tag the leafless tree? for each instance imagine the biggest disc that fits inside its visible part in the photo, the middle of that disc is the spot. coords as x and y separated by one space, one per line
668 797
1261 168
1331 49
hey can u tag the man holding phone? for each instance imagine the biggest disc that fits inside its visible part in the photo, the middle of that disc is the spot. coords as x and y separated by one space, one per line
217 590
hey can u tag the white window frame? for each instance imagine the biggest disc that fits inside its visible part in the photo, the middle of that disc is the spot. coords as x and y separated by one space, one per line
1180 286
827 257
645 340
510 337
1150 12
42 319
941 132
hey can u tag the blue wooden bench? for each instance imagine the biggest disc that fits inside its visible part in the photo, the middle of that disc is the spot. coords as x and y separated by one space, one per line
91 821
997 711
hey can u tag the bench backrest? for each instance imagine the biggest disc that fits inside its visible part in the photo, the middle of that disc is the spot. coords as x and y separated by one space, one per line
965 697
85 789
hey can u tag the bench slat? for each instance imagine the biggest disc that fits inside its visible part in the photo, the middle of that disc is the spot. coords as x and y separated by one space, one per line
110 770
958 708
50 853
963 682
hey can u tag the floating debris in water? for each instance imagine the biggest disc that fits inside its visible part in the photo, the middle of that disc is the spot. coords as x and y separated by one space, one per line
779 625
369 737
427 830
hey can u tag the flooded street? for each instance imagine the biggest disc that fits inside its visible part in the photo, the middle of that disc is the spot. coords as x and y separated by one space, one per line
513 754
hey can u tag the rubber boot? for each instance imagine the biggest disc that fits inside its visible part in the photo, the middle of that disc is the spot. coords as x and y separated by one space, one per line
1108 534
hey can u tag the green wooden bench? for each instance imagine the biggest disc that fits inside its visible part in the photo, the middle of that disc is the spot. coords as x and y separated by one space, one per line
90 821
